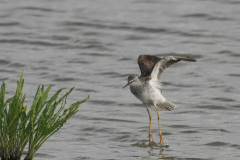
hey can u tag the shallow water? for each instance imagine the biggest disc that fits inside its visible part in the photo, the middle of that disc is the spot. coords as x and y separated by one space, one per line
93 46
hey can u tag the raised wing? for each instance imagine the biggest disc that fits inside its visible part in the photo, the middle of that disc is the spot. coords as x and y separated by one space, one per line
146 64
167 62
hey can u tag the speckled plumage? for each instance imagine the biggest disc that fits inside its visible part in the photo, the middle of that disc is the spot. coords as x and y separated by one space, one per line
147 87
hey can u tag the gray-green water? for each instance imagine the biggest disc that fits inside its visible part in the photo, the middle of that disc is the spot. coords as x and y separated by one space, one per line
93 46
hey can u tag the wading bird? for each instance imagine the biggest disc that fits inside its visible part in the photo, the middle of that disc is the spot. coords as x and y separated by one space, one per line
147 87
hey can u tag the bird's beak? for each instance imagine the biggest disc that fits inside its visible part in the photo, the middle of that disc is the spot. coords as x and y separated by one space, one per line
126 85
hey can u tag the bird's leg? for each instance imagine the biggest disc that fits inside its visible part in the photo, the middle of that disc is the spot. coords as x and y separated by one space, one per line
160 134
150 121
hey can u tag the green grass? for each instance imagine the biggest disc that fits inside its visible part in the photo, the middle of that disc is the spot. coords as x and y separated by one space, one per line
19 127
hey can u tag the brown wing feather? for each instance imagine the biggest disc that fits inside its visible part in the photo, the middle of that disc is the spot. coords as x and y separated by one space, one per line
170 60
146 64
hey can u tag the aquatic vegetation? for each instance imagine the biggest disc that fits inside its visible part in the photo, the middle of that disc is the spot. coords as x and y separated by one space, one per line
19 126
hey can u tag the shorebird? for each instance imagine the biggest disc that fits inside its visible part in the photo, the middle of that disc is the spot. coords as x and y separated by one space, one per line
147 87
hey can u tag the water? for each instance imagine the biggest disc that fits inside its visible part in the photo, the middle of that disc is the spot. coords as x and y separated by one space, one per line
93 46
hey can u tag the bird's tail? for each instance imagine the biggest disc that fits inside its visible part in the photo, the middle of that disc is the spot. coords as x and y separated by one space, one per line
166 106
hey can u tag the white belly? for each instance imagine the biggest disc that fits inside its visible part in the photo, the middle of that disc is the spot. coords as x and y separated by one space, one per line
153 97
150 97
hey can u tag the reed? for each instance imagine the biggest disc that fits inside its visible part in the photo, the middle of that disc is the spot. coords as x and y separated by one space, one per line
19 127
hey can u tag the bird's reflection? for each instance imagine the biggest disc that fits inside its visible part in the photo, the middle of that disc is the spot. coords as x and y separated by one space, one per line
150 151
162 156
161 151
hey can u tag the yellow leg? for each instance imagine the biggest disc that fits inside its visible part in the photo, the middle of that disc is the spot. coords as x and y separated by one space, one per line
160 134
150 121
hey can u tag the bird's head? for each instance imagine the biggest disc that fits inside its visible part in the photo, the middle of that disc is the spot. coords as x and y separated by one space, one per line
132 79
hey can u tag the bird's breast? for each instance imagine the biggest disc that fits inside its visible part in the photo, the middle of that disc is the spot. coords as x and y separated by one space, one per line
137 91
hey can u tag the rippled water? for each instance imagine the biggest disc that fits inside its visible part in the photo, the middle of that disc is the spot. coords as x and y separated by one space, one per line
93 46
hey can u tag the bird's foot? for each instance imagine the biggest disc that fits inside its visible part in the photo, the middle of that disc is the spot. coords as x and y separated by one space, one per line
151 138
161 140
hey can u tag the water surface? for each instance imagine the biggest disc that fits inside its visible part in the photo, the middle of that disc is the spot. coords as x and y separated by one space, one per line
94 45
